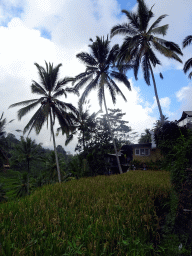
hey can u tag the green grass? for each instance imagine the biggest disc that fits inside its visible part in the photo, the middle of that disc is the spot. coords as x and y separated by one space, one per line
8 178
113 215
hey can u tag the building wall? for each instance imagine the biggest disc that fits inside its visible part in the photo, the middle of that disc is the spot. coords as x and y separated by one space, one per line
155 154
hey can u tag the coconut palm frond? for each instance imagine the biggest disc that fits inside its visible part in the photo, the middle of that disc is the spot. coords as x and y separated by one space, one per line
26 102
89 88
133 19
116 88
188 65
121 78
62 83
160 30
123 29
187 41
83 81
165 51
35 122
145 66
86 58
38 89
152 57
156 23
112 91
23 111
66 107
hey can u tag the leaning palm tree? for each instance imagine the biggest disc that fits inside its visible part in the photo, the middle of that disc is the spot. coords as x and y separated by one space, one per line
188 64
49 89
100 74
140 43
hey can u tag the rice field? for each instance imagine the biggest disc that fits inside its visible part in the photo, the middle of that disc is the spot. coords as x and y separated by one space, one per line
103 215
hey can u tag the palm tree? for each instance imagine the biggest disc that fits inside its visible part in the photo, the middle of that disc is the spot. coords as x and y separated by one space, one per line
145 137
3 145
99 74
140 42
27 150
22 185
49 89
188 64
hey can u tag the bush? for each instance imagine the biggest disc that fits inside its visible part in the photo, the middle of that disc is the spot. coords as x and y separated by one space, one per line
151 165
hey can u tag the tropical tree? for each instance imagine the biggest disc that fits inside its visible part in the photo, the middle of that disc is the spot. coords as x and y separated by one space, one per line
188 64
158 124
49 89
100 73
141 41
84 125
120 129
3 143
145 137
22 185
26 150
3 197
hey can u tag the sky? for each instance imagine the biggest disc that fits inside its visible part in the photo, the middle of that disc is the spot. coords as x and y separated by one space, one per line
34 31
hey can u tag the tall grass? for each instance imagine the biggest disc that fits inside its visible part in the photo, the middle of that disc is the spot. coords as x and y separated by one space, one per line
113 215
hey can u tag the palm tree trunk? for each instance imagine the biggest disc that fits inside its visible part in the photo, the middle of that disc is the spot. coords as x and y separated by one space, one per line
54 144
156 95
118 162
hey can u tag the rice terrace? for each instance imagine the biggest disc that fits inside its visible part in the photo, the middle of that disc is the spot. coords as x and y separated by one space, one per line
103 215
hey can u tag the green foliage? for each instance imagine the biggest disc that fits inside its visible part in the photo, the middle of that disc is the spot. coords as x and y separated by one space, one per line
151 165
21 188
176 145
78 166
186 42
3 197
145 137
89 216
119 127
100 141
26 150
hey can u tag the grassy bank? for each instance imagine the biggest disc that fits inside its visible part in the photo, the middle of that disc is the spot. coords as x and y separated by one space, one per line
104 215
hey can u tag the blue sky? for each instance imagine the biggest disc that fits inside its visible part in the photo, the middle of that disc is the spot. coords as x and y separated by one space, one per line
35 31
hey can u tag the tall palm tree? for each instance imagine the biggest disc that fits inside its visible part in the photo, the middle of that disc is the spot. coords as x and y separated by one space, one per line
188 64
100 74
49 89
141 41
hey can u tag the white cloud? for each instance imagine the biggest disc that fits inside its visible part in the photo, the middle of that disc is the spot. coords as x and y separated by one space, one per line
71 24
139 116
21 48
184 95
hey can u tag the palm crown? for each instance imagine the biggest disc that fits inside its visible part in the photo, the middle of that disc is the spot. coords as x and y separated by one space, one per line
188 64
141 41
100 71
49 89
